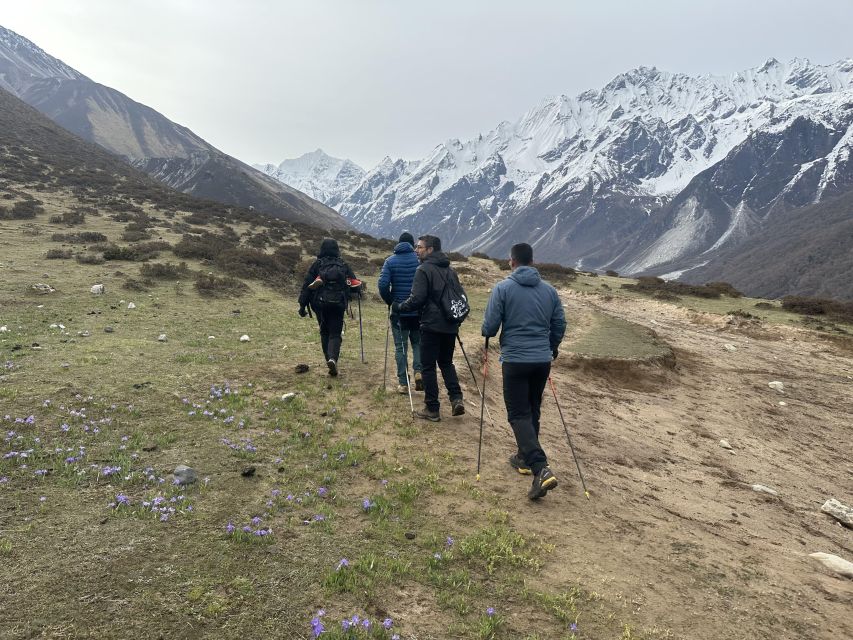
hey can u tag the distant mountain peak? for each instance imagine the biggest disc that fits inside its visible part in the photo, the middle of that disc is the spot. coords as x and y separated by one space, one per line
316 173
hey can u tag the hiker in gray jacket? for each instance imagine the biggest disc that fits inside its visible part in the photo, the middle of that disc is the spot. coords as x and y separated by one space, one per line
530 315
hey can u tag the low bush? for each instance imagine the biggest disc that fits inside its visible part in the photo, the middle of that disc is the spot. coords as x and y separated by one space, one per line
654 285
207 246
26 209
455 256
89 258
725 289
58 254
208 284
805 305
164 271
84 237
480 254
611 273
132 284
134 236
557 272
70 218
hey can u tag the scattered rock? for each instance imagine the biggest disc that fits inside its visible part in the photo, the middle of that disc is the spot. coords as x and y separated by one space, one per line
301 368
244 338
150 447
760 488
782 403
41 287
83 334
185 475
778 386
211 337
410 535
248 472
98 289
839 511
130 305
108 329
725 445
65 365
162 338
4 329
288 397
839 565
729 347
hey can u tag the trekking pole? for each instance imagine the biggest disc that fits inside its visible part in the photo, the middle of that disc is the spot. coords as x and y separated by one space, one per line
568 437
403 346
482 403
387 335
471 369
360 330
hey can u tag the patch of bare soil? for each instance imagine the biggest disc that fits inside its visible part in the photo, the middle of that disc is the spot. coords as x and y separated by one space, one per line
673 530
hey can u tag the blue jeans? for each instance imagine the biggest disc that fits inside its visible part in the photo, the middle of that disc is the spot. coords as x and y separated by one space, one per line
409 333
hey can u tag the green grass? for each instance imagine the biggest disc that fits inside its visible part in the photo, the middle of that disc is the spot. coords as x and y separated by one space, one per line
115 412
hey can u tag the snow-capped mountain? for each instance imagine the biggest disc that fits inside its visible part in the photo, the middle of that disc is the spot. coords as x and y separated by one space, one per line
145 138
318 175
593 180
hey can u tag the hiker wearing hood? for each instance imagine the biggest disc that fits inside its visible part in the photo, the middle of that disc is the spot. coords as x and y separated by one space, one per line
326 288
530 315
438 336
395 284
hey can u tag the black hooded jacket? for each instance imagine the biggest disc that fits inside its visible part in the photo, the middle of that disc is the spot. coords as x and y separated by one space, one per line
328 249
430 277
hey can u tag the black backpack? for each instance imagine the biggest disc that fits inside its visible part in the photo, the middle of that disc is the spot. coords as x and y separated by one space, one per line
452 300
333 292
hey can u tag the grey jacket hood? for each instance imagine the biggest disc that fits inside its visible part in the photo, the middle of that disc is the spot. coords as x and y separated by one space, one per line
526 276
438 258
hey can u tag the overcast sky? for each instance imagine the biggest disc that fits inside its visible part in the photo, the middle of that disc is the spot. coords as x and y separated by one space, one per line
265 80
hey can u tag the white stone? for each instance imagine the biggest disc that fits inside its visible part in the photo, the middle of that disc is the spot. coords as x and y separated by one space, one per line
98 289
729 347
287 397
839 511
834 563
782 403
244 338
778 386
131 306
162 337
54 326
211 337
725 444
43 288
760 488
4 329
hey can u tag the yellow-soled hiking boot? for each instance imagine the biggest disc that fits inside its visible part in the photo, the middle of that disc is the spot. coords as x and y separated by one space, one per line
543 482
517 463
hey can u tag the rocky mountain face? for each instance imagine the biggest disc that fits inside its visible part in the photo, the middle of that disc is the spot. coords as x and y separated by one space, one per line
170 152
318 175
655 173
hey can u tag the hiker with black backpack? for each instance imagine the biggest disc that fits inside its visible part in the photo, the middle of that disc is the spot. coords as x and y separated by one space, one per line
327 289
439 296
530 316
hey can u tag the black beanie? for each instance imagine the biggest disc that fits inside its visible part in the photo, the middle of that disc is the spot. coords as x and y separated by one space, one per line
407 237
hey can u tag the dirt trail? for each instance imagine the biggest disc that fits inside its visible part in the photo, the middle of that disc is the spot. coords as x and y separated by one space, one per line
674 531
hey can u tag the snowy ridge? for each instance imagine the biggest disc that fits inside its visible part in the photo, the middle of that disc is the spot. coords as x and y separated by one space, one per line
630 147
22 63
317 174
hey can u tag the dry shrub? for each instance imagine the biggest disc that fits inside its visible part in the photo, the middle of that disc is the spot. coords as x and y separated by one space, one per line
70 218
134 236
657 286
164 271
89 258
210 285
58 254
725 289
455 256
819 306
206 246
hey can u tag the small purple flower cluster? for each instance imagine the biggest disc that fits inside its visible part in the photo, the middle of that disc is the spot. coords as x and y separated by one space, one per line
367 504
353 625
250 532
161 506
247 448
9 365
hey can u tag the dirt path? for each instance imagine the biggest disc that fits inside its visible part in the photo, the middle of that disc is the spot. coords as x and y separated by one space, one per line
674 532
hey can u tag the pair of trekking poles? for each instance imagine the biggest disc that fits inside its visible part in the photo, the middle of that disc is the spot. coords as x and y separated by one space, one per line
482 394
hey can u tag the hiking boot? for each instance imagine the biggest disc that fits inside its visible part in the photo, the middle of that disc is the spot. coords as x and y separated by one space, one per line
419 381
318 282
518 463
403 389
458 407
426 414
543 482
333 366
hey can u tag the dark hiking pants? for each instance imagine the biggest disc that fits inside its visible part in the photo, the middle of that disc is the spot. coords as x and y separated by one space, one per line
437 348
331 321
524 383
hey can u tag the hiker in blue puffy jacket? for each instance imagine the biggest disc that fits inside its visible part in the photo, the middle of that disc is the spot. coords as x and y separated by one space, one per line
395 285
530 315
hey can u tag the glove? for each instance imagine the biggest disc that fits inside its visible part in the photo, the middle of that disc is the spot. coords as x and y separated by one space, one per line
554 353
303 312
395 307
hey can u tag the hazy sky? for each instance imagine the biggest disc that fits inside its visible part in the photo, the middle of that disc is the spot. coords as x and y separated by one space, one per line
265 80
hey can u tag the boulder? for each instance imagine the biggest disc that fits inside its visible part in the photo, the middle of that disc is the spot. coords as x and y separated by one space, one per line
185 475
839 511
778 386
244 338
838 565
98 289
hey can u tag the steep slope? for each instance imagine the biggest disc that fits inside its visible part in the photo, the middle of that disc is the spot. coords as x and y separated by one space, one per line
171 153
318 175
580 177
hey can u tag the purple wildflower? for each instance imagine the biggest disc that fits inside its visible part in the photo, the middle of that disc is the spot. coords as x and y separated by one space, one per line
387 623
342 563
573 627
449 541
322 492
490 611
